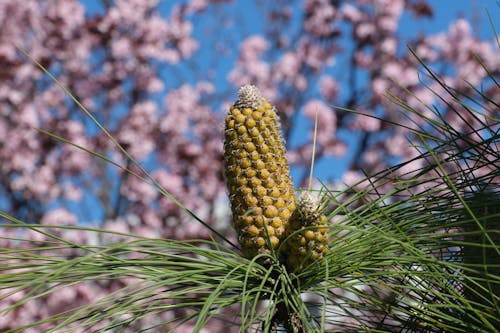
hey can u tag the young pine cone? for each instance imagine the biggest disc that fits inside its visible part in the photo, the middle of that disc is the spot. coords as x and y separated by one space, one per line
308 230
257 173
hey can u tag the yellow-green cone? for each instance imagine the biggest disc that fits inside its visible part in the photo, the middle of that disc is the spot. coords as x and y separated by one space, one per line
257 173
308 230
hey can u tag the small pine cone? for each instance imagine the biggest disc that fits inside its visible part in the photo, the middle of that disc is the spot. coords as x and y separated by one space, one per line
308 240
257 173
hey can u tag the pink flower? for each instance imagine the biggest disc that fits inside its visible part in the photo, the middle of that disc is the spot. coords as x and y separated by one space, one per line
389 45
118 225
301 155
253 47
314 55
422 97
288 66
351 13
460 29
425 52
397 144
27 116
151 219
172 183
121 47
364 30
328 87
354 178
76 236
371 157
135 189
363 59
196 6
327 125
59 216
366 123
410 169
320 17
380 86
392 69
180 104
388 23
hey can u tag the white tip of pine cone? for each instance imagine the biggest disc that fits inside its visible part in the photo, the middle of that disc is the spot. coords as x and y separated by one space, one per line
308 202
308 206
249 96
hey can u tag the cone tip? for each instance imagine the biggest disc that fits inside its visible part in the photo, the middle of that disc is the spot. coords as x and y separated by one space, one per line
249 96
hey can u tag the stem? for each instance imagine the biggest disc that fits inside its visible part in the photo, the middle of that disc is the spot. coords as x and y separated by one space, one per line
288 320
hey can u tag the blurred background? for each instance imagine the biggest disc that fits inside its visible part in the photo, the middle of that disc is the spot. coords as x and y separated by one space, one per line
161 74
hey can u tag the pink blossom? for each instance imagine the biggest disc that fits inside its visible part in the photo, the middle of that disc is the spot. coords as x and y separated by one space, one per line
397 145
421 98
121 47
253 71
364 30
392 70
146 231
27 116
425 52
288 66
327 123
117 225
8 51
410 169
380 86
187 46
388 23
32 236
320 17
135 132
371 157
392 8
351 13
288 70
259 70
41 184
59 216
403 75
300 83
170 182
188 328
460 29
363 59
300 156
151 219
77 237
328 87
253 47
389 45
354 178
155 85
195 6
366 123
135 189
205 87
336 148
